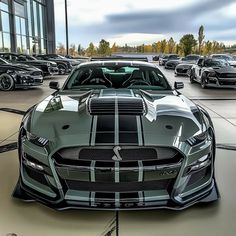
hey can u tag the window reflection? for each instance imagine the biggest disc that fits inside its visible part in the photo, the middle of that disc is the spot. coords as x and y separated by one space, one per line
5 22
6 42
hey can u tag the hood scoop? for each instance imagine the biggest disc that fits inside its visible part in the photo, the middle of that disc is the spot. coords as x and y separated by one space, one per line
116 105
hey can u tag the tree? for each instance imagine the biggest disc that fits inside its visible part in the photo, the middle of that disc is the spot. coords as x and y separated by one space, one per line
91 50
208 47
171 45
201 37
79 49
114 48
188 42
61 49
104 47
72 50
163 45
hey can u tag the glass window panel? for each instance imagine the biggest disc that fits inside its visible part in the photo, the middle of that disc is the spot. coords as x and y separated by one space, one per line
1 45
4 6
29 17
35 19
19 9
6 42
18 43
24 47
23 31
5 22
41 21
17 22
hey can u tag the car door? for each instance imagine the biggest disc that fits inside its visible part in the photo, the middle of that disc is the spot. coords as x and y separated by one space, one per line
198 69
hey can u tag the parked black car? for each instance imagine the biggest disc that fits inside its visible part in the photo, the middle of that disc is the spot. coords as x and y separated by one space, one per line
230 59
18 76
53 69
171 64
47 67
213 73
65 65
186 64
164 59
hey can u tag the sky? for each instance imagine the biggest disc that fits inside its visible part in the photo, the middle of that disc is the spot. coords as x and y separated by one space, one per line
136 22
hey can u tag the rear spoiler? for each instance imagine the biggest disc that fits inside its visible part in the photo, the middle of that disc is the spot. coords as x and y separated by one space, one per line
119 59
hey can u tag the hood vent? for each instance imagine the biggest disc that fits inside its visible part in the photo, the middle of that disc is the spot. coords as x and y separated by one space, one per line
116 105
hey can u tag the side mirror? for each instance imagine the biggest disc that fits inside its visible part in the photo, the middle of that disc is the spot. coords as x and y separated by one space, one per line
54 85
179 85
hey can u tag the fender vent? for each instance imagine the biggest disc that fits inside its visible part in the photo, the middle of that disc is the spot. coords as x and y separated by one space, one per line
123 106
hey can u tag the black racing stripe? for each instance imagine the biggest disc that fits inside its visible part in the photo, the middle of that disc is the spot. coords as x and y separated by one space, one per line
91 131
142 131
128 131
105 129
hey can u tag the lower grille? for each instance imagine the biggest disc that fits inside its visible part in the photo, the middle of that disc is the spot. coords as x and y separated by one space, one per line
118 187
198 176
182 70
36 175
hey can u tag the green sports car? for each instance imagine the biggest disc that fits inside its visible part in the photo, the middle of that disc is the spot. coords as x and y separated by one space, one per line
116 136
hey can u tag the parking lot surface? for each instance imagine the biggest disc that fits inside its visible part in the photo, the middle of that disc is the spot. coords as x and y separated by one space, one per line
26 219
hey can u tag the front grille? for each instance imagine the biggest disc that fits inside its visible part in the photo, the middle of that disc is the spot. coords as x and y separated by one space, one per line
127 153
227 75
179 70
124 176
119 187
36 73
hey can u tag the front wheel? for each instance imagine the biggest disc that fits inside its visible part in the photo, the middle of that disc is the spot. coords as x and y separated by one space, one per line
6 82
192 77
203 81
61 69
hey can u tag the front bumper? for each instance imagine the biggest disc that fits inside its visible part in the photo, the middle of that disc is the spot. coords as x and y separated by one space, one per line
28 81
182 71
221 82
72 185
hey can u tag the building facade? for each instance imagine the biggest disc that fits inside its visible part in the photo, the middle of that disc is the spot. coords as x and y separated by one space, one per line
27 26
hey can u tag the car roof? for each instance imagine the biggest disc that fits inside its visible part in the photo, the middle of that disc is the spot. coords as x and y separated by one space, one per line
116 63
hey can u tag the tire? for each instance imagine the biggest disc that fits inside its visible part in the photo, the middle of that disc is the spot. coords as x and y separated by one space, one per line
192 77
61 69
203 81
7 83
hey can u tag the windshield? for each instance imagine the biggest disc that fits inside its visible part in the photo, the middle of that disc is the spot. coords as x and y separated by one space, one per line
133 77
212 63
61 57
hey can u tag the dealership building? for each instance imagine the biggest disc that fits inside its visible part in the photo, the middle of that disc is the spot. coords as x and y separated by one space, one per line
27 26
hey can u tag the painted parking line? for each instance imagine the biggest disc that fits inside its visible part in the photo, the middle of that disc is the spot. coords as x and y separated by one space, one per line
15 111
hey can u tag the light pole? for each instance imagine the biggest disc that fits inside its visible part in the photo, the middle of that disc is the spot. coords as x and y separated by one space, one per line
66 21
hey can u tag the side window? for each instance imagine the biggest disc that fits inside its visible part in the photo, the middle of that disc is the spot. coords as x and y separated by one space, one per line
200 62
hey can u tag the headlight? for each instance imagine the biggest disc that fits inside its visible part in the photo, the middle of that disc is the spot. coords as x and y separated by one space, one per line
21 72
48 64
39 141
198 138
212 74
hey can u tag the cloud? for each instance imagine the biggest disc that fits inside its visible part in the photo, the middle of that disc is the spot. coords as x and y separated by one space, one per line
125 20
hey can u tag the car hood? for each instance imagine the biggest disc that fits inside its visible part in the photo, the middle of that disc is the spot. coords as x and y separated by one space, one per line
225 69
21 67
66 119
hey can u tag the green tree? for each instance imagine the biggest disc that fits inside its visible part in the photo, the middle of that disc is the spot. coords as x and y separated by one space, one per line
163 45
79 50
91 50
208 47
201 37
188 42
171 45
104 47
